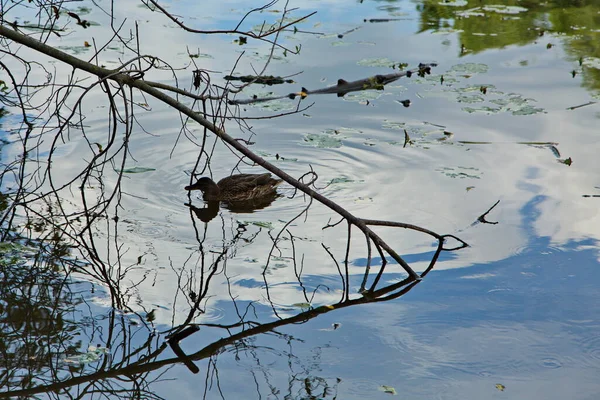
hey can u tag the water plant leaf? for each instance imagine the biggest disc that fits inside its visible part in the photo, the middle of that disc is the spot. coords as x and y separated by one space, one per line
388 389
363 96
470 68
138 170
376 62
342 129
502 9
93 354
461 172
591 62
566 161
322 141
341 179
260 224
454 3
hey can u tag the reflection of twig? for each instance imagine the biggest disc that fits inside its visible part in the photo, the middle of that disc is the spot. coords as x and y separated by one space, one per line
260 36
124 79
589 103
174 343
482 219
275 240
406 138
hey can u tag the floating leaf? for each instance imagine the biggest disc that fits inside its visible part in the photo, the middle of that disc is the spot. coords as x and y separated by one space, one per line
342 129
591 62
376 62
393 125
501 9
340 43
473 12
470 99
470 68
93 354
473 173
342 179
566 161
322 141
388 389
364 96
485 110
260 224
76 50
201 55
454 3
137 170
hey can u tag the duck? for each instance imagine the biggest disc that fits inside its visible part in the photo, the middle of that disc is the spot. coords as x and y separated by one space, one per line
237 188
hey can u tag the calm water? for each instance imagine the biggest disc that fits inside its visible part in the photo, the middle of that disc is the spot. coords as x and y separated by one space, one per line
512 315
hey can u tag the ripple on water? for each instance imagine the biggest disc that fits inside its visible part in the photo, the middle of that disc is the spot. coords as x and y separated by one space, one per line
590 345
473 347
211 315
145 229
372 389
366 388
551 363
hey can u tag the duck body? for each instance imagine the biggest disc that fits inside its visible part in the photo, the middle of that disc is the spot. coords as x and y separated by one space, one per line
237 188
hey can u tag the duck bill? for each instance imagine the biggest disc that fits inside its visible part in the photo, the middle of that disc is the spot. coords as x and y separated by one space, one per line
195 186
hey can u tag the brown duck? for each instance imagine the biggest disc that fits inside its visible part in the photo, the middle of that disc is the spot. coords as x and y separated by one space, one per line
237 188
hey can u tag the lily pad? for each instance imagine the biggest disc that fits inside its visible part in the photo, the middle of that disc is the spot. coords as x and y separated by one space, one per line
472 12
341 130
260 224
93 354
393 125
470 99
322 141
591 62
339 43
470 68
502 9
138 170
454 3
376 62
388 389
363 96
461 172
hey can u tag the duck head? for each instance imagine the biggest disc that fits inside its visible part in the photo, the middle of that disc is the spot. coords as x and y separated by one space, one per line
208 187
